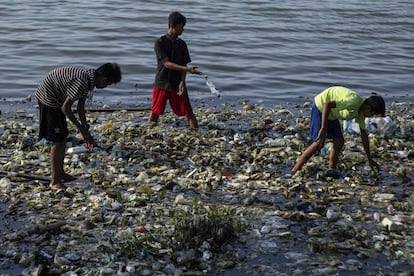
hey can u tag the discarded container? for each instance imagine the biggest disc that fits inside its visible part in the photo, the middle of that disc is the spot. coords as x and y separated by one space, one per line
402 153
390 209
212 87
72 257
351 127
275 142
265 229
207 255
399 253
382 197
378 238
333 213
401 218
380 125
77 149
392 226
383 126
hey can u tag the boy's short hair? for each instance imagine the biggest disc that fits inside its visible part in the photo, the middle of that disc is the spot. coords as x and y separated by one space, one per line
111 71
377 105
176 18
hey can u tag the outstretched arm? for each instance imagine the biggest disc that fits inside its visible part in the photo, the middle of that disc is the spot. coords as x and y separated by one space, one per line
173 66
184 69
67 110
81 112
365 143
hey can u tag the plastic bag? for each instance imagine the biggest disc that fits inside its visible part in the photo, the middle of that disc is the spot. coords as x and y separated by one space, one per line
383 126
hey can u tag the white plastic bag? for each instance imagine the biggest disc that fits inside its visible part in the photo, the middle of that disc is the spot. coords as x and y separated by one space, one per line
383 126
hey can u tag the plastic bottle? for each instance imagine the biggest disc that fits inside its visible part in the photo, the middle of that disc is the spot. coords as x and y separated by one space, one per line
77 149
333 213
212 87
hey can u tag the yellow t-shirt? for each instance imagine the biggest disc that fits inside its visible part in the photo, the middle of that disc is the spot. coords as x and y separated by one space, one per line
347 101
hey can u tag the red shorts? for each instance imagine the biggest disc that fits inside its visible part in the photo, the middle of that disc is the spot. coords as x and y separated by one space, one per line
180 105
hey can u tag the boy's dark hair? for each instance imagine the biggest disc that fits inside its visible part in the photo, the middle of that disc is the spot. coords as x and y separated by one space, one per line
111 71
176 18
377 104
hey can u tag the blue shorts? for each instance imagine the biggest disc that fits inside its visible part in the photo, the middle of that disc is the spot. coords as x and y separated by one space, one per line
333 129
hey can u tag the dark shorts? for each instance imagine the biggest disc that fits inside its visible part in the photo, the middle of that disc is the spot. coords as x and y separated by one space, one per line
180 105
333 128
53 125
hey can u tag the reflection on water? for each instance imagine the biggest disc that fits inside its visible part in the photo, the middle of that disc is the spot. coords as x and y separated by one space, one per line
267 50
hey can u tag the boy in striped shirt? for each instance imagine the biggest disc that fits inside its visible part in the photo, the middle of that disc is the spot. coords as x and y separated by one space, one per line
56 94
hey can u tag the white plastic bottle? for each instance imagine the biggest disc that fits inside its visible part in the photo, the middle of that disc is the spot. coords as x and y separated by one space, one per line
77 149
212 87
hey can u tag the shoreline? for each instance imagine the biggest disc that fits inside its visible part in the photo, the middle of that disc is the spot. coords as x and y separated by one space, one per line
139 175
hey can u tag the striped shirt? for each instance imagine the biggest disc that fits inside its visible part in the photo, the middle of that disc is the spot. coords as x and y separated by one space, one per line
62 82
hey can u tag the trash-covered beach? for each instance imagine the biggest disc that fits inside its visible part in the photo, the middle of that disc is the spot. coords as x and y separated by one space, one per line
164 200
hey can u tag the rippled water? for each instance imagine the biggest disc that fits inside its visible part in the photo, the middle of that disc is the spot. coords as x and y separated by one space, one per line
265 51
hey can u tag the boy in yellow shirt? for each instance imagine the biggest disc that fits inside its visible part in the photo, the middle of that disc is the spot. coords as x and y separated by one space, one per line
334 104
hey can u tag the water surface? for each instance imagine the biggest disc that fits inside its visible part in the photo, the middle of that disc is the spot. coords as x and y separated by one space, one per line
265 51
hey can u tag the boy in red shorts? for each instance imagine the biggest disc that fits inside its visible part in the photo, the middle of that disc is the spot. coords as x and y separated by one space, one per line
172 59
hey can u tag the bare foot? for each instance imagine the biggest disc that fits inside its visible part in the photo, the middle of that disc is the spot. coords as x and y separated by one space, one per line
66 178
57 187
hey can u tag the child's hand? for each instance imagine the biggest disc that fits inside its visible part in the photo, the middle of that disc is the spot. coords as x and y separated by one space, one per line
193 70
320 141
181 88
88 139
89 146
321 137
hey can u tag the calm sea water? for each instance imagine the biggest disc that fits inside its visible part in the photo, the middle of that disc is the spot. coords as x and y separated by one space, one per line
268 51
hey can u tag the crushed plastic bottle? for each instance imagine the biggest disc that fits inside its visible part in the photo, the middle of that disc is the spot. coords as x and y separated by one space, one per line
378 238
351 127
383 197
212 87
72 257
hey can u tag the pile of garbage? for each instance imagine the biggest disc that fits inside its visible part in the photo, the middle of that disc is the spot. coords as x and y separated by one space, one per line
143 183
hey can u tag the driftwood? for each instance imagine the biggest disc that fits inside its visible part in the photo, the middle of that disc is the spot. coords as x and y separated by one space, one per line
129 109
25 175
